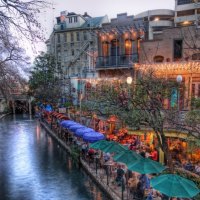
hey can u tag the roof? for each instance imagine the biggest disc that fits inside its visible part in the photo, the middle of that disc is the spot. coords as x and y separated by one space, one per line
93 22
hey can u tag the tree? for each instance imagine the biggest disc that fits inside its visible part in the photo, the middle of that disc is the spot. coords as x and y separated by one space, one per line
12 62
44 81
20 18
142 104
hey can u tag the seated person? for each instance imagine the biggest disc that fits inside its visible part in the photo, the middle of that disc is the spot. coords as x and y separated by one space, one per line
132 183
197 168
107 157
188 166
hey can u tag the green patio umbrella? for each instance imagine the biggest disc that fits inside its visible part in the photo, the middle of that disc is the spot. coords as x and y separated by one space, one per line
146 166
101 144
114 147
127 157
175 186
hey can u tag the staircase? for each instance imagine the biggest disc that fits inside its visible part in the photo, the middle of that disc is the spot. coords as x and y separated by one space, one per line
82 50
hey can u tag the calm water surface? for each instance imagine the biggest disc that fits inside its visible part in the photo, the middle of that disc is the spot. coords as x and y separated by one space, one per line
34 167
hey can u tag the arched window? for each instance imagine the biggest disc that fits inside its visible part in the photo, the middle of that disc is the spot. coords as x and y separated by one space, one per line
128 47
105 49
114 47
158 59
196 56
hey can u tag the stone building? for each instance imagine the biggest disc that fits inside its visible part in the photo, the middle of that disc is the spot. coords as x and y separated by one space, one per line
73 42
175 51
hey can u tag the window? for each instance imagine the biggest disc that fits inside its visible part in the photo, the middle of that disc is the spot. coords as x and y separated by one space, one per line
72 44
77 36
158 59
65 56
58 38
70 20
128 47
178 46
196 56
59 56
65 37
198 90
185 13
72 36
193 90
72 52
105 49
85 35
182 2
75 19
114 47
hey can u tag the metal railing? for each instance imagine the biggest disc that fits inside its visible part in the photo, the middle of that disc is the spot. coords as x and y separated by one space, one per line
116 61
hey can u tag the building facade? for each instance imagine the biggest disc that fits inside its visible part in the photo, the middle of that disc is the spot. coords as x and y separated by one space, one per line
187 12
175 51
73 42
156 21
118 45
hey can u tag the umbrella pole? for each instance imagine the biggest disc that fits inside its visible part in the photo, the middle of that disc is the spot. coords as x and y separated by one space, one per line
96 165
107 175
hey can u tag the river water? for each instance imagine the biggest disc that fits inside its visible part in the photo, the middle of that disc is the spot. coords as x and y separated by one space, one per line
35 167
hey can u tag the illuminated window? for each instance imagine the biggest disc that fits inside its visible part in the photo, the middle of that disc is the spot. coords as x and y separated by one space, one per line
105 48
128 47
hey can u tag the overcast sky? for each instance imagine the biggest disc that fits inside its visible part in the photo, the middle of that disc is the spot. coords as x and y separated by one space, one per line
98 8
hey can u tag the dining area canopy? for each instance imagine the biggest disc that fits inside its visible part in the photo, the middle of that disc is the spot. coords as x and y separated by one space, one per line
81 131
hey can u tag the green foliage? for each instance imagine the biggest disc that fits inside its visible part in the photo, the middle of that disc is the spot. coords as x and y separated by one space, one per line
67 104
195 103
192 118
44 83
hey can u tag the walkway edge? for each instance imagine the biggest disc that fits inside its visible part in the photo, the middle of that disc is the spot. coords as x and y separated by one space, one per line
84 165
2 116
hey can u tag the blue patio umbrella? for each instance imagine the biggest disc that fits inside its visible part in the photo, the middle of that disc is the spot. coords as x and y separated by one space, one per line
81 132
48 108
67 123
93 137
73 128
72 124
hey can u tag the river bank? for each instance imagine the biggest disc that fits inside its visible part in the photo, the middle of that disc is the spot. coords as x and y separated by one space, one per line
113 192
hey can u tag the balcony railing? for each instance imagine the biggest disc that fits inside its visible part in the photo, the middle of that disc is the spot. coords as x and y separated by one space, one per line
120 61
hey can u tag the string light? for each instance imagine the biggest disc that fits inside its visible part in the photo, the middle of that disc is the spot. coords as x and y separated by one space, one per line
170 68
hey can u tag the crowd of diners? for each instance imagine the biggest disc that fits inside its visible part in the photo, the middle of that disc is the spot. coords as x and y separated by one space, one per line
137 185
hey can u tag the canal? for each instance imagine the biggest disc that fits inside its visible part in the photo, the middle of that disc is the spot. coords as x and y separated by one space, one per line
35 167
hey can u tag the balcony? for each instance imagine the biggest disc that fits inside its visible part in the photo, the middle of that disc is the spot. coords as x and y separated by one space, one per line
121 61
161 23
185 18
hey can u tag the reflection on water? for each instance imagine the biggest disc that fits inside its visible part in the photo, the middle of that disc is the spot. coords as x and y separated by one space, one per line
34 167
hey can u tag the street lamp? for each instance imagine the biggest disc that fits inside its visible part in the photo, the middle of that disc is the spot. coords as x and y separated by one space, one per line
179 79
129 80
